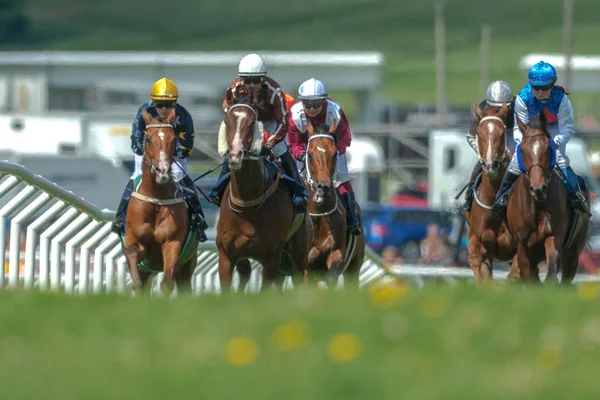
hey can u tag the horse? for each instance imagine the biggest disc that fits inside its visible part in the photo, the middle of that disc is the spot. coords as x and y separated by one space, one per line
256 222
333 251
537 211
157 221
489 239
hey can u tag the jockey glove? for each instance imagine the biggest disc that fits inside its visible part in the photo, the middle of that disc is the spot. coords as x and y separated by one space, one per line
264 151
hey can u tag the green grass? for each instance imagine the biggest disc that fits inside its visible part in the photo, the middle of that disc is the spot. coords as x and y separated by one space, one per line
444 342
401 29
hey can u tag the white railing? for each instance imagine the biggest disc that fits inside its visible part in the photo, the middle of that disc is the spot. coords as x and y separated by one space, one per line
69 246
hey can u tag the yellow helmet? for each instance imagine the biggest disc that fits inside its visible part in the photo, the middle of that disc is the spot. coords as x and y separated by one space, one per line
164 89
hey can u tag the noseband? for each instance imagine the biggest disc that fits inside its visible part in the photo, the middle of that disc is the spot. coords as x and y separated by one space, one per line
147 160
494 118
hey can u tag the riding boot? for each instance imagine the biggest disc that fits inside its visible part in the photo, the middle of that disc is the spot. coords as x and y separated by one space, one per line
352 220
215 194
291 169
466 205
117 224
198 222
576 198
502 196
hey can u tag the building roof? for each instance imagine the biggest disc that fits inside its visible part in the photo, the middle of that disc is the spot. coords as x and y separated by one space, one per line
114 58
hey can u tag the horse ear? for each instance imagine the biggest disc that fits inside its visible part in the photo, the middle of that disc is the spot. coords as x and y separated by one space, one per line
146 116
229 97
520 124
332 128
543 121
477 111
309 128
171 116
503 109
252 98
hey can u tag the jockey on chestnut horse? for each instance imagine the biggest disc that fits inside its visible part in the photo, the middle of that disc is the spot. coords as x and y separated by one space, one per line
257 218
272 113
163 100
338 243
158 234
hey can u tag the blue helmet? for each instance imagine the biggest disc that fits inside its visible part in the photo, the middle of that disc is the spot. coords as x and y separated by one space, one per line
542 74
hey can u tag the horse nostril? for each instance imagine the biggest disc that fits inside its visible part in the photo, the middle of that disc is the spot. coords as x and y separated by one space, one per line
496 164
543 189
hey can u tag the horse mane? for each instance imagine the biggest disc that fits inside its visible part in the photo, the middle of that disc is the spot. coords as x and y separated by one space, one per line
539 122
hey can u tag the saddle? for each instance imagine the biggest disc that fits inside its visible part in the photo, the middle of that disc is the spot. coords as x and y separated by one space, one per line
271 170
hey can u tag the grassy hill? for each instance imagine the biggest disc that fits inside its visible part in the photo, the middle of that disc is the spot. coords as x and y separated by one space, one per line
401 29
441 342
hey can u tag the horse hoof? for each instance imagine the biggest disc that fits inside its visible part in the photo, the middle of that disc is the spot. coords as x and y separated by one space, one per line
137 286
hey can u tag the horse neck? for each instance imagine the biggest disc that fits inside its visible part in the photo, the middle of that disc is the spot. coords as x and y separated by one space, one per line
247 182
149 187
490 187
327 205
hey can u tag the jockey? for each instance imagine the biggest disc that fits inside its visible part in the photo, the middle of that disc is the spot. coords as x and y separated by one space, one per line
496 93
271 109
317 108
542 94
163 98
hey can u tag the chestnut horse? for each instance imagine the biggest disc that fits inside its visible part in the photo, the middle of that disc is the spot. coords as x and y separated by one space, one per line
538 211
488 237
254 222
333 250
157 221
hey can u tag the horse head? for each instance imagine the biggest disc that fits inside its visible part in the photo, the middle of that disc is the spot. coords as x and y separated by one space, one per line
159 145
321 160
536 148
243 132
491 138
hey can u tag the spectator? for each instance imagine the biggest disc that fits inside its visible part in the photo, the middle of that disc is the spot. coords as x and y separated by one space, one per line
433 248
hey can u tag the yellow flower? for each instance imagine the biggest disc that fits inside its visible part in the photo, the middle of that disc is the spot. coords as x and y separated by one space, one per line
388 293
344 347
291 336
588 291
549 357
241 351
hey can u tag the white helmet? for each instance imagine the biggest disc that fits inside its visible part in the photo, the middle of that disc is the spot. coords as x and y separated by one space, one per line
252 65
312 89
498 92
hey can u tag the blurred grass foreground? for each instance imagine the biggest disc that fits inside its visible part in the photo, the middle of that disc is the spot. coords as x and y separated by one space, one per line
379 343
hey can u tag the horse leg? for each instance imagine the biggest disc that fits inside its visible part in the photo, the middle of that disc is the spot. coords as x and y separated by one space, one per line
486 269
334 263
244 270
475 258
553 259
514 274
134 254
524 263
270 270
225 272
184 275
171 252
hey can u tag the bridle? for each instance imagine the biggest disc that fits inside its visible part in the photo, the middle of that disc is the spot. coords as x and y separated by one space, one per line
311 182
147 160
504 155
547 171
248 155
